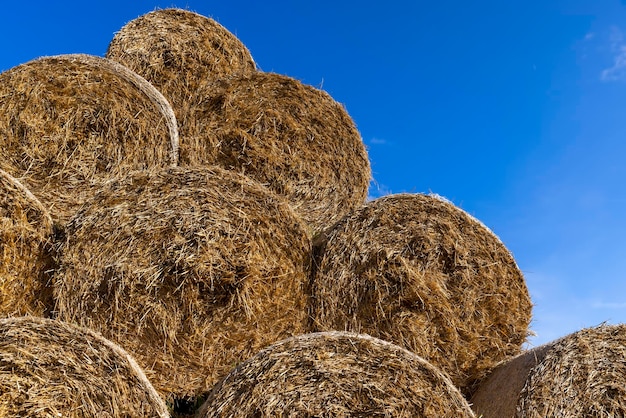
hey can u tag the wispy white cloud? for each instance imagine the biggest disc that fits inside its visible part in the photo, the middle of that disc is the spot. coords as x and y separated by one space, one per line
378 141
608 305
617 72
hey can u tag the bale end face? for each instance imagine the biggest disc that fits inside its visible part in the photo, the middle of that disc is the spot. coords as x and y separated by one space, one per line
292 137
99 119
50 368
178 51
193 270
420 272
335 374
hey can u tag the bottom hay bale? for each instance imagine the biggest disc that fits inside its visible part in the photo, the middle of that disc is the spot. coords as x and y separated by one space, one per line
25 256
335 374
52 369
580 375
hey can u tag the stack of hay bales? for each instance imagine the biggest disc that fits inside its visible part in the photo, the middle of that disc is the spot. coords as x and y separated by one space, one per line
291 137
230 262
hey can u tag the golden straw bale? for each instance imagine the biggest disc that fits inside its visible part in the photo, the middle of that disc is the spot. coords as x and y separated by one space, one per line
178 51
192 270
68 121
580 375
25 233
287 135
335 374
52 369
418 271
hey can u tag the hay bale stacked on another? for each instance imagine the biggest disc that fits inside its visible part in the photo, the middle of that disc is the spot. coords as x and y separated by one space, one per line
192 270
420 272
68 121
580 375
178 51
335 374
52 369
25 231
289 136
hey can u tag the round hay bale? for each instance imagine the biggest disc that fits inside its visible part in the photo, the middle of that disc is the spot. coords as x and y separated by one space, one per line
335 374
580 375
25 231
418 271
193 270
67 121
53 369
289 136
178 51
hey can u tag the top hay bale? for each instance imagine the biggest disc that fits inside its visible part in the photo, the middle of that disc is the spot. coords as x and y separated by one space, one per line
192 270
420 272
289 136
335 374
52 369
178 51
25 251
68 121
580 375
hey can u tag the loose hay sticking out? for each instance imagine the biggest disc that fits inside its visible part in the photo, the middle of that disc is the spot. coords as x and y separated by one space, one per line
420 272
52 369
67 121
193 270
292 137
335 374
25 228
178 51
580 375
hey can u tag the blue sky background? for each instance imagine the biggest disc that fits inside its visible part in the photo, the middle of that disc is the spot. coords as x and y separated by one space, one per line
514 110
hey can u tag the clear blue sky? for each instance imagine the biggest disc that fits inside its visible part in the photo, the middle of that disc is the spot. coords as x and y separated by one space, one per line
514 110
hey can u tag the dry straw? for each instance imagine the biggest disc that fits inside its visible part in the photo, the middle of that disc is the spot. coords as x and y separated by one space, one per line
68 121
335 374
418 271
52 369
580 375
178 51
292 137
25 233
192 270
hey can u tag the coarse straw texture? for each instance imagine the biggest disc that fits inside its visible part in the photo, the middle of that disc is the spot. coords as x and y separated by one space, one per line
178 51
53 369
27 260
68 121
335 374
192 270
580 375
416 270
292 137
